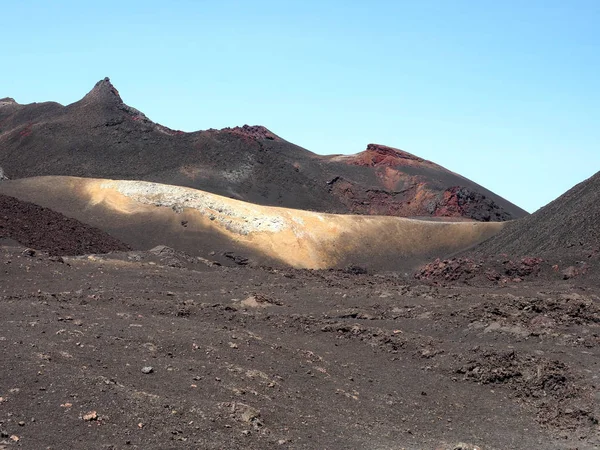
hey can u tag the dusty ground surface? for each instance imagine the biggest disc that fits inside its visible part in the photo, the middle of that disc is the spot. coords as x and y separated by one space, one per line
136 351
100 136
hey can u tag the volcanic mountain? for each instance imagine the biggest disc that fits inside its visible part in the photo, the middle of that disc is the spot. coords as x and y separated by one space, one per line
102 137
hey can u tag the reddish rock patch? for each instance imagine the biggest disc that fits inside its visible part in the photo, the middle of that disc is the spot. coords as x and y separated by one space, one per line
460 201
382 155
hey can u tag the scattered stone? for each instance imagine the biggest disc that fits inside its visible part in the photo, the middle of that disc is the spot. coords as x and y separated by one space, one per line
260 301
91 416
239 260
147 370
250 414
354 269
463 446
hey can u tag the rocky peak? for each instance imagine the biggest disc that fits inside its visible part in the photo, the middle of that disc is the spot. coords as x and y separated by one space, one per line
104 91
385 151
7 101
377 155
253 131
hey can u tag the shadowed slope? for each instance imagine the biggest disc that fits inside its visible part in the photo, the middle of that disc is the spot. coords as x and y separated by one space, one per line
568 226
147 214
47 230
100 136
561 240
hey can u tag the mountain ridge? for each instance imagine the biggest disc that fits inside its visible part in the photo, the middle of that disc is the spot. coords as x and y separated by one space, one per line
101 136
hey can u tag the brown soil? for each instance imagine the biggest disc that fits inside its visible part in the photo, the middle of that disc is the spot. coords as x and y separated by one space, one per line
102 137
162 350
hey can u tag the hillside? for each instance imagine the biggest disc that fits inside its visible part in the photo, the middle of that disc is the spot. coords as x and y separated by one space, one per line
52 232
145 215
566 227
561 240
102 137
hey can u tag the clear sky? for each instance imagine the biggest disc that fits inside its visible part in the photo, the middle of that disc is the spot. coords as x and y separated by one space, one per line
506 93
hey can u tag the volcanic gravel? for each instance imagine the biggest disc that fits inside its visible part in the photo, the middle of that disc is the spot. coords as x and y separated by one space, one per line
258 358
43 229
568 226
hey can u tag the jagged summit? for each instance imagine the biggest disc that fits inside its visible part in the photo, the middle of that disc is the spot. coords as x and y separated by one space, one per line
384 150
253 131
7 100
377 155
104 91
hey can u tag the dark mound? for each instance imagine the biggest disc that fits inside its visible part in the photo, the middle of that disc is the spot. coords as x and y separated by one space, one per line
562 239
568 226
100 136
44 229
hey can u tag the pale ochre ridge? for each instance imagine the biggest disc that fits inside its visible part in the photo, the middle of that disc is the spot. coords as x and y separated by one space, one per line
298 238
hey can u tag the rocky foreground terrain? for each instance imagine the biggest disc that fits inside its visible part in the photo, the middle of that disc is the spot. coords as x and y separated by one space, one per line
162 350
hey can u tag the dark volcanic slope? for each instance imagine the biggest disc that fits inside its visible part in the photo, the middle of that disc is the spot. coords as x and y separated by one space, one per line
565 228
44 229
100 136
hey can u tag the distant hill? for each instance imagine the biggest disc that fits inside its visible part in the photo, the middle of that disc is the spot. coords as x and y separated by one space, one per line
100 136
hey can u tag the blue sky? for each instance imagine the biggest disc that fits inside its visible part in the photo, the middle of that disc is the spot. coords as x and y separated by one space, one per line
505 93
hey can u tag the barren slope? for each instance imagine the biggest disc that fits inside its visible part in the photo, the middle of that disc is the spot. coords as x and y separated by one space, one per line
47 230
148 214
561 240
100 136
569 225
